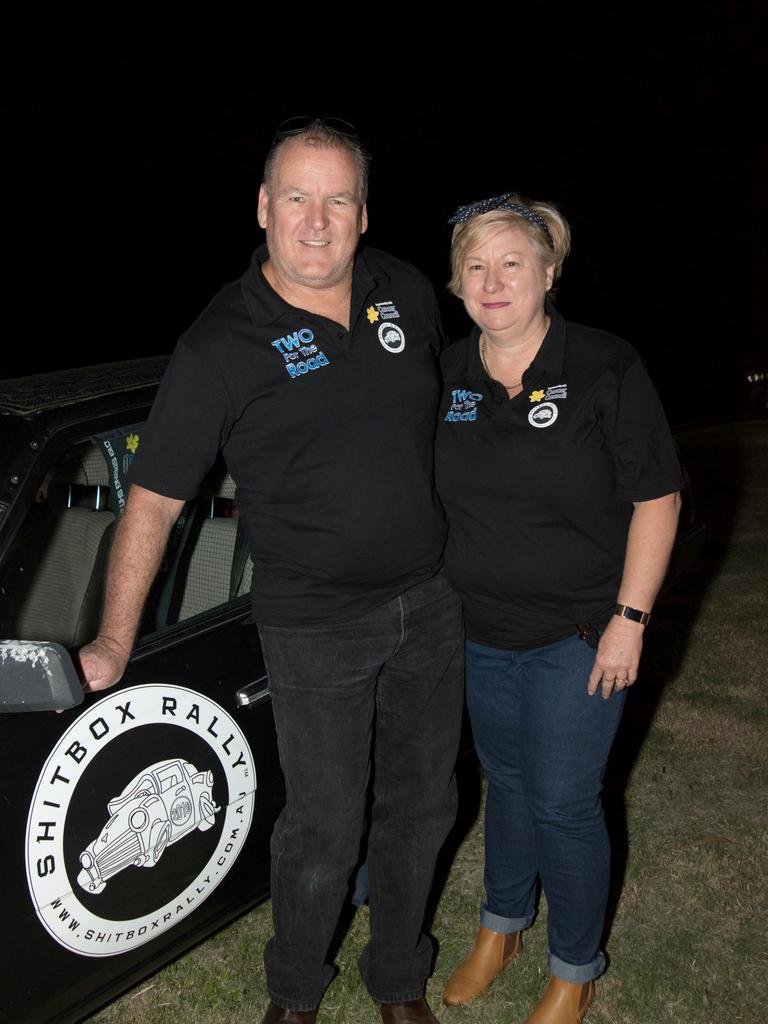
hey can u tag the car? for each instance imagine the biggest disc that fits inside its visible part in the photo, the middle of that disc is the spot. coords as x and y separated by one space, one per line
136 821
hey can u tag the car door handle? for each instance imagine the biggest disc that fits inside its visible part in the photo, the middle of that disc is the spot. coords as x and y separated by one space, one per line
253 692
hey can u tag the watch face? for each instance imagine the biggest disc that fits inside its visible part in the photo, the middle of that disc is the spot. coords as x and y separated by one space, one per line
632 613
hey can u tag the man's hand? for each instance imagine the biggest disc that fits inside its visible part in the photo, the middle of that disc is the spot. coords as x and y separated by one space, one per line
618 657
101 664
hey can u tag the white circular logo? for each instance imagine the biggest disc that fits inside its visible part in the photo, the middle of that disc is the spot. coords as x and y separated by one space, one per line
543 415
391 336
139 813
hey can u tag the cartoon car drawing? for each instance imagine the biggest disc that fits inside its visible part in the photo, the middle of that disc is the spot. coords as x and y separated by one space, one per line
158 807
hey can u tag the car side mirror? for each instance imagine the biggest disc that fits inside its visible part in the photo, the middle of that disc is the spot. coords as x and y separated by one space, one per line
37 676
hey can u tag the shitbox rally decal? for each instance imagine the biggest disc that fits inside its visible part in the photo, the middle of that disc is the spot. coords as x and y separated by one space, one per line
140 811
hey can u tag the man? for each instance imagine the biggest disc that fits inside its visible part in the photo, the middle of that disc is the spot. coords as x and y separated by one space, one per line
315 376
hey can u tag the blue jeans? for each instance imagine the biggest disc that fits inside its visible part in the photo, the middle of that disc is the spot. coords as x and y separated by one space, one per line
381 692
543 743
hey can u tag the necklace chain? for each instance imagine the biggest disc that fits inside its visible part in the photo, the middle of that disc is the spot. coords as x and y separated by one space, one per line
509 387
515 384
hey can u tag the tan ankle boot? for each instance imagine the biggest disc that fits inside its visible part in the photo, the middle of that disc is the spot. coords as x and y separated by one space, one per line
563 1002
491 954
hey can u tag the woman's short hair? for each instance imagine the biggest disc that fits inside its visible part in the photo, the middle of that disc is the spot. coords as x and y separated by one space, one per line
550 249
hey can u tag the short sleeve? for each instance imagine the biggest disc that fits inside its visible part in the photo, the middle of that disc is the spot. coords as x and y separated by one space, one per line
188 425
644 452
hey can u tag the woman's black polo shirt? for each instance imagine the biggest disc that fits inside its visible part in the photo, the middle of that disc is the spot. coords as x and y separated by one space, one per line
328 434
538 489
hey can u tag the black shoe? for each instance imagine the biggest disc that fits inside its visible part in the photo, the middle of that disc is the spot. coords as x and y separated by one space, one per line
414 1011
279 1015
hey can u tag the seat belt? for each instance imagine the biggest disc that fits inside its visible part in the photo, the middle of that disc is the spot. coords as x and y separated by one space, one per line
239 561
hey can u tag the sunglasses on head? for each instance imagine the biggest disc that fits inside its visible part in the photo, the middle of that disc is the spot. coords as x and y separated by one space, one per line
297 125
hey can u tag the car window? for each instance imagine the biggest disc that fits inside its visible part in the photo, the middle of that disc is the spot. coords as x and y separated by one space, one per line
52 582
168 777
206 563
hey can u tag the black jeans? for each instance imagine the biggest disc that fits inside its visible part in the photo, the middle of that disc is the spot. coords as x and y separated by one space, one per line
386 690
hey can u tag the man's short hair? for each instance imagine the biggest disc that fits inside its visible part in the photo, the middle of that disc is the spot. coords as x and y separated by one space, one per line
320 135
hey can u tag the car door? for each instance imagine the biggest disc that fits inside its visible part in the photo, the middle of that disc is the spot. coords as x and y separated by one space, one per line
99 893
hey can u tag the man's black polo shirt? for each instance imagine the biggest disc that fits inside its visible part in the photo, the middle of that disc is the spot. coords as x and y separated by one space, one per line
327 433
538 489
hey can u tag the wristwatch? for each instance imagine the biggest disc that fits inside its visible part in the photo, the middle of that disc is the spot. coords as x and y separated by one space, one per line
625 612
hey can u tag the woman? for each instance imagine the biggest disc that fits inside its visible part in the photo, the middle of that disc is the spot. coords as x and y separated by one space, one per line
560 481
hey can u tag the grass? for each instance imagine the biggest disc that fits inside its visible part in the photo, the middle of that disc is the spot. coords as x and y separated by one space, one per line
686 801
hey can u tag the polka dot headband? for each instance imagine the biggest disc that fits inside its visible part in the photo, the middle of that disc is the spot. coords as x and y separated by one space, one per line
502 202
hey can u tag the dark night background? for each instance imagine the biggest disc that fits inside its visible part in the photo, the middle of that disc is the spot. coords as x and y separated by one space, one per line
135 154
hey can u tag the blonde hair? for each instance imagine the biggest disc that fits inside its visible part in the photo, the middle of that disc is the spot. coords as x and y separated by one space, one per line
551 249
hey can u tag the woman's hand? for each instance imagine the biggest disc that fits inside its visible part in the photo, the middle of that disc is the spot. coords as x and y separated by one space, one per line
649 543
618 657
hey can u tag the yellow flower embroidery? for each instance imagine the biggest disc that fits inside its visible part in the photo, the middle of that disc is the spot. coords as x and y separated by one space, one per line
536 396
132 442
373 314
